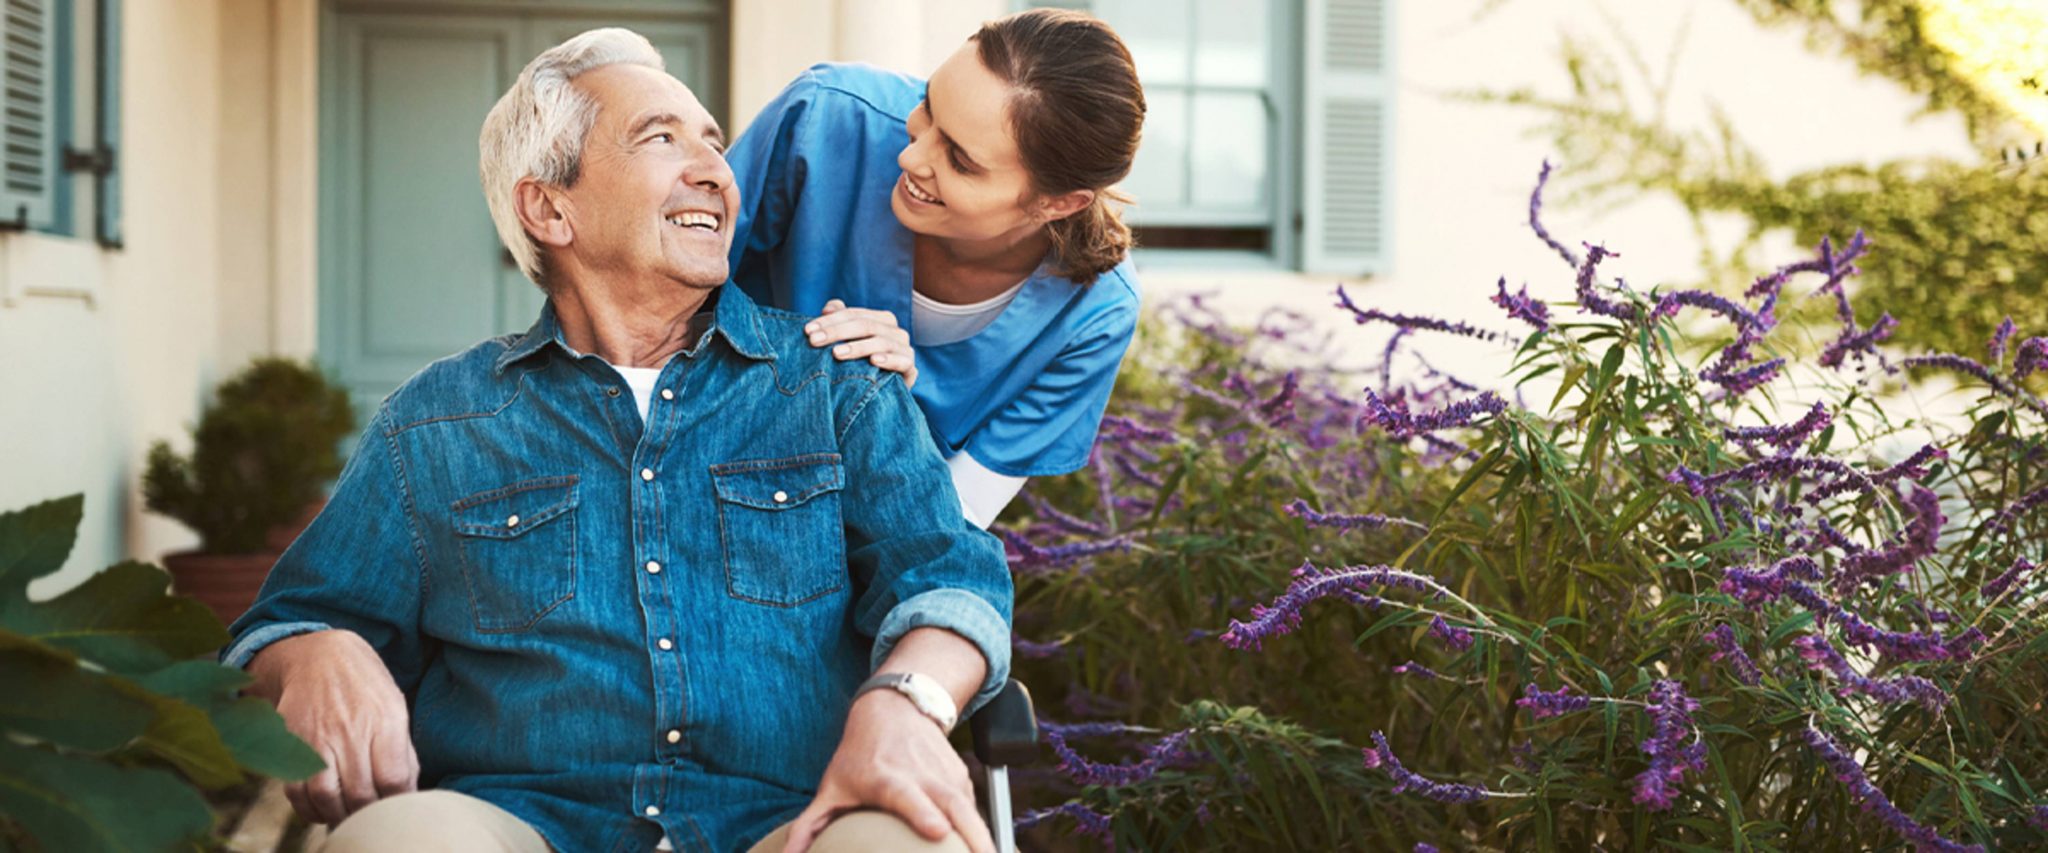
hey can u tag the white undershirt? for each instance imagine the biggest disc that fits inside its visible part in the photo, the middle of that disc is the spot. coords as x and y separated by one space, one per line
934 323
983 493
642 380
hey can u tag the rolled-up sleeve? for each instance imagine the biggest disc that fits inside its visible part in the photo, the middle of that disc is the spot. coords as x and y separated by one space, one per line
919 563
357 567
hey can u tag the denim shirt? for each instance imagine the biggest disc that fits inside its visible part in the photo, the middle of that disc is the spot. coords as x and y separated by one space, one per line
617 631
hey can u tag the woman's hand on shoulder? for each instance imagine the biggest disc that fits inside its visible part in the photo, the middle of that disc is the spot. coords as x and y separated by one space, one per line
865 333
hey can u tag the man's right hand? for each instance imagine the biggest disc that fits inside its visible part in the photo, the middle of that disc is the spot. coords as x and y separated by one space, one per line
335 694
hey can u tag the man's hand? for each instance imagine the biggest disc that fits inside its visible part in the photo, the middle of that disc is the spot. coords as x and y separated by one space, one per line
335 694
896 759
865 333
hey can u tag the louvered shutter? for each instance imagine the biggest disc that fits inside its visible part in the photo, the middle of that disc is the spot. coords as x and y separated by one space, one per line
107 201
28 99
1347 137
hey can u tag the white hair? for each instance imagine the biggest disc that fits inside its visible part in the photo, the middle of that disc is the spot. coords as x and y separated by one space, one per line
537 129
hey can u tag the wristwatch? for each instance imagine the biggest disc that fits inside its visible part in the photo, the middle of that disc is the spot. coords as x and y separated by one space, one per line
924 692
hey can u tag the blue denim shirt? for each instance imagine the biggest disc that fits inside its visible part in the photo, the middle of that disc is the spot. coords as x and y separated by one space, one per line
616 631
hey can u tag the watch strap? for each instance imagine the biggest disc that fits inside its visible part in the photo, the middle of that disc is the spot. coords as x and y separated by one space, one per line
922 692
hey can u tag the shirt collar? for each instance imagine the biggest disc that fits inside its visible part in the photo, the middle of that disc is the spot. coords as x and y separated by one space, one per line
734 317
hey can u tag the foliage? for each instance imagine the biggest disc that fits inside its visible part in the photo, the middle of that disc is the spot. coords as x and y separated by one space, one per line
1633 607
1962 243
265 449
106 721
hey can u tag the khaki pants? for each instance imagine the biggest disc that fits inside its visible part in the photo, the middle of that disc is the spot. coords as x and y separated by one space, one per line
449 821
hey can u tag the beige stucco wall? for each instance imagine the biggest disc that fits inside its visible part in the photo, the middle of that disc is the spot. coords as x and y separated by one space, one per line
773 40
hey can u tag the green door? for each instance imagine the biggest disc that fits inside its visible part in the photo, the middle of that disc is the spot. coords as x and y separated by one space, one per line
410 267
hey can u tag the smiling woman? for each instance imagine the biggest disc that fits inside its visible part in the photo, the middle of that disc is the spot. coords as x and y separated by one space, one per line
971 224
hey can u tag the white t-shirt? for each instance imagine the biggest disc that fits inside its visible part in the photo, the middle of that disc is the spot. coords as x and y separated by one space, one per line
934 323
642 381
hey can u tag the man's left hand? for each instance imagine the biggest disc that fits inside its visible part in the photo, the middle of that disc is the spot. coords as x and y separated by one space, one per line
896 759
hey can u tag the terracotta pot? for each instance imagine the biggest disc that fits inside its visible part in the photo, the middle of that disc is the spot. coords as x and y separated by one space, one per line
226 583
282 536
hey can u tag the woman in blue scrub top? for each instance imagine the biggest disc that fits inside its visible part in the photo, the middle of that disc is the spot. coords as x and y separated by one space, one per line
970 223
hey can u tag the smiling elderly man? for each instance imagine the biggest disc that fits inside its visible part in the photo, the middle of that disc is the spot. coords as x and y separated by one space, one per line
623 580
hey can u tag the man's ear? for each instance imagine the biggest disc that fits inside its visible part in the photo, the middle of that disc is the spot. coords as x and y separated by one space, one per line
541 213
1053 208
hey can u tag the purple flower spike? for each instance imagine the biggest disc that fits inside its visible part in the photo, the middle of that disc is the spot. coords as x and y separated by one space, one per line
1999 339
1589 298
2033 355
1025 555
1740 382
2027 503
1786 437
1092 823
1381 756
1454 638
1921 540
1522 306
2038 818
1821 656
1669 303
1168 752
1849 772
1776 468
1363 316
1036 650
2030 359
1543 705
1374 521
1670 755
1727 649
1417 670
1424 847
1536 221
1859 345
1283 615
1997 586
1400 423
1071 524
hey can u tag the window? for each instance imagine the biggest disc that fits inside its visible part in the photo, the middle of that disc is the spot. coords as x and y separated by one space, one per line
59 117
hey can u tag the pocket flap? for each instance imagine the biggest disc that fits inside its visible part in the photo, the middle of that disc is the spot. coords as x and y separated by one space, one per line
774 484
509 511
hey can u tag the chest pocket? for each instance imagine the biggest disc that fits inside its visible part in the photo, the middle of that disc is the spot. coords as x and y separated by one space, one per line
518 547
780 528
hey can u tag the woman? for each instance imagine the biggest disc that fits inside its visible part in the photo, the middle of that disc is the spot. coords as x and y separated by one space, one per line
971 223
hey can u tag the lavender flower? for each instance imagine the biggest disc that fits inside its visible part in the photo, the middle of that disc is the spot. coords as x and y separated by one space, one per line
2027 503
1671 757
1283 615
1381 756
2029 359
1739 382
1999 339
1418 670
1061 520
2033 355
1726 648
1669 303
1278 409
1454 638
1920 540
1168 752
1788 436
1821 656
1091 822
1914 466
1363 316
1861 344
1522 306
1849 772
1755 588
1422 847
1028 556
2038 818
1543 705
1132 472
1589 298
1997 586
1120 427
1398 422
1036 650
1536 221
1374 521
1774 468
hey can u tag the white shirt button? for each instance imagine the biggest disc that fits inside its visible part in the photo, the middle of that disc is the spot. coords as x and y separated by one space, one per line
675 736
512 522
653 568
667 394
664 644
652 811
782 497
647 473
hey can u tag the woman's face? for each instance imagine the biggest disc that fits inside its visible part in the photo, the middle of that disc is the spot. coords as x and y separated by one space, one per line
963 177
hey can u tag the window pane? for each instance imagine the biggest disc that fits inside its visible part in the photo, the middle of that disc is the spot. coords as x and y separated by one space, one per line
1157 33
1232 40
1158 177
1229 151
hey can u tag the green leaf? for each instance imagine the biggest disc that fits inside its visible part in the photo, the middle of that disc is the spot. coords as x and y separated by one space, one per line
200 682
259 739
184 735
73 804
35 541
120 619
45 695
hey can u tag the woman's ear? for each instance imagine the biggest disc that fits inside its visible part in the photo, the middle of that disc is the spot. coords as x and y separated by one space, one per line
541 213
1054 208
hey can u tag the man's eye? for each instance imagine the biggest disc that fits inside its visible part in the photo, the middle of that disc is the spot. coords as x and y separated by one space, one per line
664 137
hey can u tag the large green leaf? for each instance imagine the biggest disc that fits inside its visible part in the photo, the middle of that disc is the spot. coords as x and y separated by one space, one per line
120 619
74 804
35 541
259 739
47 696
184 735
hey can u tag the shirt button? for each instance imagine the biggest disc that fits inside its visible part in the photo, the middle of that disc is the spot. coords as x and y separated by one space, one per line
653 811
647 473
664 644
675 736
613 391
653 568
667 394
512 522
782 497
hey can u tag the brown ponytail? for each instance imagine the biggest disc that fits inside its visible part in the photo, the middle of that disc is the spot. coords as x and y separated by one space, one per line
1077 111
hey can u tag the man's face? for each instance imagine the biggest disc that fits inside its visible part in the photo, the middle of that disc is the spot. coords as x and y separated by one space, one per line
654 200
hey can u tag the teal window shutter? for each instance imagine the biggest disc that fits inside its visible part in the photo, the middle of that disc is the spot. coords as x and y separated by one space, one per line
107 123
29 132
1347 137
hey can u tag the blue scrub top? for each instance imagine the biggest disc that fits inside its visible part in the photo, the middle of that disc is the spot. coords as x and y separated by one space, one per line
816 169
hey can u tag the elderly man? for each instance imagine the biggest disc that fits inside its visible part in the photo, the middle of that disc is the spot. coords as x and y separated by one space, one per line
623 580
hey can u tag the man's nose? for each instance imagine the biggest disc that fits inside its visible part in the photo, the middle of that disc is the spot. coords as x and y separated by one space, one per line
709 170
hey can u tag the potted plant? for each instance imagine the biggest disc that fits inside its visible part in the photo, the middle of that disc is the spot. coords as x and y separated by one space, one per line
262 456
